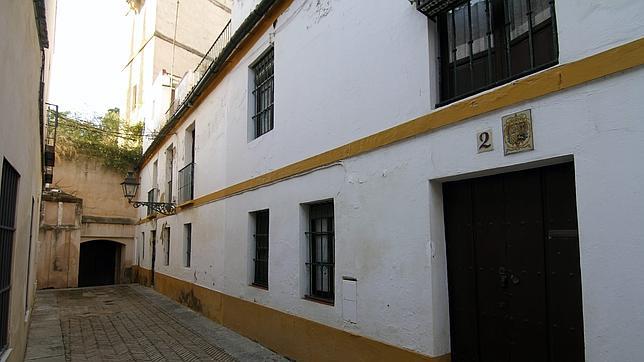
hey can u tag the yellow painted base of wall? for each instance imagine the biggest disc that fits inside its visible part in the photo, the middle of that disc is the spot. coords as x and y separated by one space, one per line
286 334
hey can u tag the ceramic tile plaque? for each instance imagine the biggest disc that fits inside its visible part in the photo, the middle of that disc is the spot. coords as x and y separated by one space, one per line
517 132
484 141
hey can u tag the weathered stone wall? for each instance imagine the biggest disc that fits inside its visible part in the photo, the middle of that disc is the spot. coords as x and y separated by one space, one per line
89 206
59 241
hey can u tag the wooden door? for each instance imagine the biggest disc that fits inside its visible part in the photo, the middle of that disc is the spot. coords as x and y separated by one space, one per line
513 267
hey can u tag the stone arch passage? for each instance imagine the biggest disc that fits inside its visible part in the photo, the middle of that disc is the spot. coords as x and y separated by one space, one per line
99 263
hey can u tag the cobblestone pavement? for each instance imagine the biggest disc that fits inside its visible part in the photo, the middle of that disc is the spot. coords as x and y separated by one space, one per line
129 323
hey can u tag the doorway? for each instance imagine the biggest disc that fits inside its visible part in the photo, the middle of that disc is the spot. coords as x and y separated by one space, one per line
513 266
99 263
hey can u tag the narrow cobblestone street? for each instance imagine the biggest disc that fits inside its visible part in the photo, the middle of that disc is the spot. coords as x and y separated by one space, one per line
129 323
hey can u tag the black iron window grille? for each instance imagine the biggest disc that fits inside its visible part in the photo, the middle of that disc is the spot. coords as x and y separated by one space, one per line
8 200
261 249
263 93
321 240
186 183
166 259
485 43
187 229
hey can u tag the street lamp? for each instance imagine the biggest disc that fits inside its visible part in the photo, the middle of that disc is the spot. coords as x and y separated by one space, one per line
131 184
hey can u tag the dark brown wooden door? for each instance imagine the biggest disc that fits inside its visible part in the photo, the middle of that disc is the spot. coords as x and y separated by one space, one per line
513 267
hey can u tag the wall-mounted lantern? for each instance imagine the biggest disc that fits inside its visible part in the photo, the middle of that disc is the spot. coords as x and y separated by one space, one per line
130 186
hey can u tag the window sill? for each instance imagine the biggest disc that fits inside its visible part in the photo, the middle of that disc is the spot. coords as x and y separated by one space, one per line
499 83
258 286
319 300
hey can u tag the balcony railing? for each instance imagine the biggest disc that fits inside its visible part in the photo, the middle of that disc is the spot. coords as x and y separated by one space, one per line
202 68
186 183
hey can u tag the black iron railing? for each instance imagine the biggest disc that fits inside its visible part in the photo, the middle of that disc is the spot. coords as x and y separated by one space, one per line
202 68
186 183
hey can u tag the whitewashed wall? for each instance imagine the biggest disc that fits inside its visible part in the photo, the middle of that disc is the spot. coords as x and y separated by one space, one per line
352 70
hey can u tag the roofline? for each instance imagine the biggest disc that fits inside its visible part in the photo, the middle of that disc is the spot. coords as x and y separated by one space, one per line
241 34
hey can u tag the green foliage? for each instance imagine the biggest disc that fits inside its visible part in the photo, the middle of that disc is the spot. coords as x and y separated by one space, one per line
110 140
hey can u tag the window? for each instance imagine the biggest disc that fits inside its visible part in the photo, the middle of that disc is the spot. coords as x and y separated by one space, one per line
151 198
186 174
260 260
484 43
166 238
169 163
142 246
153 252
263 94
321 262
187 244
8 201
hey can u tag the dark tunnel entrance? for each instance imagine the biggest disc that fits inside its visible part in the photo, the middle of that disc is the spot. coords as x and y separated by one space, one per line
99 263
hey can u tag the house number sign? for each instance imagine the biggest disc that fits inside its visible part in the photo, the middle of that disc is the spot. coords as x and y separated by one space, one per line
484 141
517 132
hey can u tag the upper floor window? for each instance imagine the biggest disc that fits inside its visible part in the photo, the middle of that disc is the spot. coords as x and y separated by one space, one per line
484 43
186 174
169 166
263 94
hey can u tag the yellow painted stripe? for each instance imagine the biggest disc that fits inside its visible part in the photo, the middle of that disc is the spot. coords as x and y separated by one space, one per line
298 338
618 59
555 79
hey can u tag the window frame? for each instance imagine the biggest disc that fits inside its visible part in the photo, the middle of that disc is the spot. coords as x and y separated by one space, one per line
261 232
166 256
187 245
262 106
498 56
9 204
323 210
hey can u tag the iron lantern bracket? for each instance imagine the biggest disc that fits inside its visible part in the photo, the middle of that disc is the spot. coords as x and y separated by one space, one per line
165 208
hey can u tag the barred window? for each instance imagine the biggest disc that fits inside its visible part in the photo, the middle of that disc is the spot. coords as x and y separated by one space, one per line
484 43
260 278
263 94
166 238
187 245
321 252
8 201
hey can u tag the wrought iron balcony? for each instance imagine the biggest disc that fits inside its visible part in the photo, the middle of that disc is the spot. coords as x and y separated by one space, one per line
186 183
201 70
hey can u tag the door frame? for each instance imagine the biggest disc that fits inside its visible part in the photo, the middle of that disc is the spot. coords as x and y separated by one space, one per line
438 243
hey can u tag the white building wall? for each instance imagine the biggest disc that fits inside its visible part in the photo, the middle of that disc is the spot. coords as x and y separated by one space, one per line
359 69
20 71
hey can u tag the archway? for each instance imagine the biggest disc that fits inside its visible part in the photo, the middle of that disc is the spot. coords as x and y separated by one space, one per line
99 263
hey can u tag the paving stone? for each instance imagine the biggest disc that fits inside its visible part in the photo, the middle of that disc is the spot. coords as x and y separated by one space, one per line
129 323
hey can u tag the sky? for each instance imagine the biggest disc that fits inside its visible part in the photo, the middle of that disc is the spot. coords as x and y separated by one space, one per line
91 48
